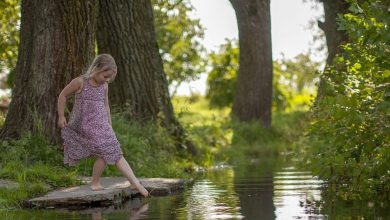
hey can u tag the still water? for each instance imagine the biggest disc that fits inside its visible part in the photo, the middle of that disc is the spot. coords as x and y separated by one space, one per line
267 188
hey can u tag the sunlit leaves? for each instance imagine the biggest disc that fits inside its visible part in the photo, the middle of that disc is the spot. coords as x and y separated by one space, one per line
352 122
178 37
293 79
222 78
9 36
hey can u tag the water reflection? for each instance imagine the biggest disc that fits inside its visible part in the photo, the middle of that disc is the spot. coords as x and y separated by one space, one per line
266 188
136 210
261 189
295 193
214 197
254 184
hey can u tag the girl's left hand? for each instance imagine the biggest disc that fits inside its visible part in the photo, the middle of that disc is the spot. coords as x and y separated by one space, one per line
62 122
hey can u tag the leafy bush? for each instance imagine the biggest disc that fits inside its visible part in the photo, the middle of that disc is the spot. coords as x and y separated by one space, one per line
350 131
222 78
293 79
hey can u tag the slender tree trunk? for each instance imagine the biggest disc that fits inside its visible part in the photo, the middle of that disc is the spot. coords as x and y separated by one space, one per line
253 97
126 31
334 37
56 43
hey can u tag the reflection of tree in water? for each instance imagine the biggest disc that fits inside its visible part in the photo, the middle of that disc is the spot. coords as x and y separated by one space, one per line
269 187
213 197
254 186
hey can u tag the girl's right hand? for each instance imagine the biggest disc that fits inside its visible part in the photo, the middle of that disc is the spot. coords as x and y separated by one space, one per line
62 122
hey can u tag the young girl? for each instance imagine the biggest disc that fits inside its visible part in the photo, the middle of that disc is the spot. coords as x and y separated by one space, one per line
89 131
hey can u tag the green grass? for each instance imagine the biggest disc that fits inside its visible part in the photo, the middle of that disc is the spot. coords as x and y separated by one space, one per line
224 140
208 128
38 167
11 198
35 166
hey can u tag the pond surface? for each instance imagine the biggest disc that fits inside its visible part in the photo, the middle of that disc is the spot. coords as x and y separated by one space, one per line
264 188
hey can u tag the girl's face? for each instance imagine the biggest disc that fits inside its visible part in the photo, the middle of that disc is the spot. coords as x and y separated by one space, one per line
103 75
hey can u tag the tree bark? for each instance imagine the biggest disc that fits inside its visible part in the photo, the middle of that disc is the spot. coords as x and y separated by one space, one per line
56 44
126 31
334 38
253 97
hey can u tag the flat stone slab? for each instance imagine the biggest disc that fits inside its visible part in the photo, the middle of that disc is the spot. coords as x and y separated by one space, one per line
117 190
8 184
133 206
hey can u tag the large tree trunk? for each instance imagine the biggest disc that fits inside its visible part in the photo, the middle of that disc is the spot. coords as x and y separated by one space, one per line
334 37
56 43
126 31
253 97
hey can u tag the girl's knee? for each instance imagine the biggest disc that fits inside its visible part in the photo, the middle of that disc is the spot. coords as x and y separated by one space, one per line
102 160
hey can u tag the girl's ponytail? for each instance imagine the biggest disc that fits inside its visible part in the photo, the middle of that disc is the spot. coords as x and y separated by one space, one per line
100 61
89 70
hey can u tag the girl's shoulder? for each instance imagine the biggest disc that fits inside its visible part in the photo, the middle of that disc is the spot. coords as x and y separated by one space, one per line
79 81
105 86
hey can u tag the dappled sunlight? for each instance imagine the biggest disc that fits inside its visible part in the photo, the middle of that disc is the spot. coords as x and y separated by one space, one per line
214 197
208 201
295 193
71 189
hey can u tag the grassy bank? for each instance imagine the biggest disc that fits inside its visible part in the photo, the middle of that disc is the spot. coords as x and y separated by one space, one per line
227 141
37 166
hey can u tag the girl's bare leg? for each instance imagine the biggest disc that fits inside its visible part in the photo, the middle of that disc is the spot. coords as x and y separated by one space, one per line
125 168
97 171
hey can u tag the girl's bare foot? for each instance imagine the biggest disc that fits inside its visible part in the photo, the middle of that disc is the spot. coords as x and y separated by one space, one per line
141 189
96 187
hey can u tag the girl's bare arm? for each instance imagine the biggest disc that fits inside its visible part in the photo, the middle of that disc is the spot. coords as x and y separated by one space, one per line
71 88
106 104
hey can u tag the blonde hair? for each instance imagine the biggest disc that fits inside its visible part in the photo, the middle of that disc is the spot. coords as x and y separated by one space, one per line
100 61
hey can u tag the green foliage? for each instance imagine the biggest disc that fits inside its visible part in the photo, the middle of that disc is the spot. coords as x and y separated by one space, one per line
30 149
13 197
294 83
9 36
206 127
149 149
221 81
178 37
293 80
222 140
252 141
2 119
350 135
36 167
